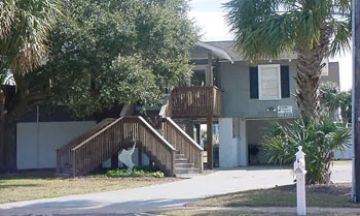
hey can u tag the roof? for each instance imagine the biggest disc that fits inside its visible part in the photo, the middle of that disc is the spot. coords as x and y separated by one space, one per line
228 47
216 51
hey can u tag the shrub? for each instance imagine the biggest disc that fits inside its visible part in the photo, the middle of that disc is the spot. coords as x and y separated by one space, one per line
319 140
136 172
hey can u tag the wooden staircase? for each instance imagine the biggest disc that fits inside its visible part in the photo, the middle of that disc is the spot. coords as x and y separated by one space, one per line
174 152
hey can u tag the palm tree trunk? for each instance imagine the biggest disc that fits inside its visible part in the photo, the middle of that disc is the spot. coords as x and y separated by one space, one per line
7 145
308 75
307 78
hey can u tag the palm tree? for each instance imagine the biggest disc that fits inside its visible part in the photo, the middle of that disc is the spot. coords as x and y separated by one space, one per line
331 99
24 25
24 28
320 138
315 30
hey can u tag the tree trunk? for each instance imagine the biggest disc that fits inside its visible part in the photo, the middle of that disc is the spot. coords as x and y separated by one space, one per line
308 75
13 105
307 79
7 145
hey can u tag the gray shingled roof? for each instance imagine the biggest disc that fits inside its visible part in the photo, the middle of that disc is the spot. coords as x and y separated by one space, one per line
228 47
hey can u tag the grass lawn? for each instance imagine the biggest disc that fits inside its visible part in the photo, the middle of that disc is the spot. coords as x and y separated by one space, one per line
37 185
254 213
331 196
337 195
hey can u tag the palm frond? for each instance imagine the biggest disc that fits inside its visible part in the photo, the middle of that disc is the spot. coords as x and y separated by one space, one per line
319 138
269 28
7 13
24 42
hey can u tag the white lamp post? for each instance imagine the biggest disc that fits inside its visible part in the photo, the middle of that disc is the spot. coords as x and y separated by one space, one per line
300 172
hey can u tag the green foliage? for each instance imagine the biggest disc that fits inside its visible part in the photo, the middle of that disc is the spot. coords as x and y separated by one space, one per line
319 138
106 53
269 28
331 98
137 172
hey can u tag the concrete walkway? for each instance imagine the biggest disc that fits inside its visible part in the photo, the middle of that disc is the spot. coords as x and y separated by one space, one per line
169 195
174 194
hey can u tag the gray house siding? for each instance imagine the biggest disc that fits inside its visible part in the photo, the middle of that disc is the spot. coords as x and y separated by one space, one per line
235 83
333 74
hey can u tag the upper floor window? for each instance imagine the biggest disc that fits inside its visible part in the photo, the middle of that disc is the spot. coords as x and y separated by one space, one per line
269 80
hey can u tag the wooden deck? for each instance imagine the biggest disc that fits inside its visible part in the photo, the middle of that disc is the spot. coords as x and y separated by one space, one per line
196 102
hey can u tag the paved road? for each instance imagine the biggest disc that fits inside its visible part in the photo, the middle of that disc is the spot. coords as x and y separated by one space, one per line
168 195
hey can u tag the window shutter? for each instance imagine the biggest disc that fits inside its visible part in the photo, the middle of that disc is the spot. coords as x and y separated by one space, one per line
254 82
285 81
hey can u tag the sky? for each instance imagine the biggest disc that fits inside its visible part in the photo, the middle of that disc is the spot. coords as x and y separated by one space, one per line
209 16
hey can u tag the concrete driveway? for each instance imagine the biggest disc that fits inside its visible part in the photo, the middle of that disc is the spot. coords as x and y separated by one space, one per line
169 195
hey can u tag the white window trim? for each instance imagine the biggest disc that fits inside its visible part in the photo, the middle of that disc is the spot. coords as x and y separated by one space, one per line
260 68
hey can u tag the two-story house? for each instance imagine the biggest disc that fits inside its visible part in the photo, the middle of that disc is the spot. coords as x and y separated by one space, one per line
242 98
251 97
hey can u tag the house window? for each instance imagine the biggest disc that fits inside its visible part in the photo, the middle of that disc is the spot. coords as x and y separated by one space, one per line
269 80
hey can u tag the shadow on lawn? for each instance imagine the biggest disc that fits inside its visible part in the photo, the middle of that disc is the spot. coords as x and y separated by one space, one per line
7 186
38 174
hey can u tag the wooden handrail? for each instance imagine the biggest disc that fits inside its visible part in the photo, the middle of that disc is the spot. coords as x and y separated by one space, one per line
154 132
97 134
63 154
184 134
108 141
183 143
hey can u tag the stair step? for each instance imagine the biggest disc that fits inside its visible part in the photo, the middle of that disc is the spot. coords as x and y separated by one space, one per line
184 165
181 160
186 170
178 156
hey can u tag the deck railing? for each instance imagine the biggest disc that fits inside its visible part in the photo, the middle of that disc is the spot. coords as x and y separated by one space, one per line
196 102
183 143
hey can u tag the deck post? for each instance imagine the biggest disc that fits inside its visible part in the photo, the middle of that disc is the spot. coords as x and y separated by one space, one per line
210 75
198 133
209 146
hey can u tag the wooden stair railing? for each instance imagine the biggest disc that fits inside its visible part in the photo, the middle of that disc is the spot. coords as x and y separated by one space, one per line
152 142
99 147
63 154
183 143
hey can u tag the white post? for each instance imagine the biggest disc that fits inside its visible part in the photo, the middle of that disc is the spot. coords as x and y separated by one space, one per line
300 172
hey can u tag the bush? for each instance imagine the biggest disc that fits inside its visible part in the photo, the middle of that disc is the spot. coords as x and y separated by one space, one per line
137 172
319 140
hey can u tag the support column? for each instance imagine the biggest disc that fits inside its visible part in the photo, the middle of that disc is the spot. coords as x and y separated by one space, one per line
209 72
209 145
198 133
243 146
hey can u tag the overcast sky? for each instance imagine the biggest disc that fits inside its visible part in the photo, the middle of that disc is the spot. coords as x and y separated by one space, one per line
209 16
